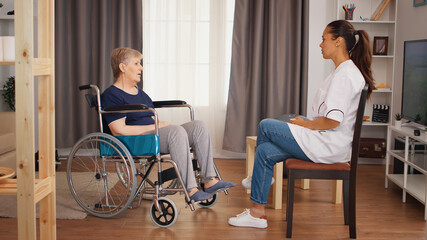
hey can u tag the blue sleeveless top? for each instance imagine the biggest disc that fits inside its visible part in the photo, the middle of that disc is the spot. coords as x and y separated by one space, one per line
113 96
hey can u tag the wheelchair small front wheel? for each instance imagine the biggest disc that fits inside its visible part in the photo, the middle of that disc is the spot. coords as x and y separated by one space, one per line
168 215
209 202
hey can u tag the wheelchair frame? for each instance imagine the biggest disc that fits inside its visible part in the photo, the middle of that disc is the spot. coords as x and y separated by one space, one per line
116 198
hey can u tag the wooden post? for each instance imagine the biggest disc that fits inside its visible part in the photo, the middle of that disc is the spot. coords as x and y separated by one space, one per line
46 114
24 102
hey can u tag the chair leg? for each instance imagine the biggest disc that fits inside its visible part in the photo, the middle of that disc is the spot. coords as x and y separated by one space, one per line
290 203
352 210
346 201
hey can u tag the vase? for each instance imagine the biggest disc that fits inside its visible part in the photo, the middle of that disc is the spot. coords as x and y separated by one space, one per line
398 123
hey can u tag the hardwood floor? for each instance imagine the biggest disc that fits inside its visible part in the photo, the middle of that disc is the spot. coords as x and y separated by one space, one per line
380 215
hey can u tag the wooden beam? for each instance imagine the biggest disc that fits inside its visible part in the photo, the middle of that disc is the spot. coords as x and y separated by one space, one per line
42 66
8 187
43 187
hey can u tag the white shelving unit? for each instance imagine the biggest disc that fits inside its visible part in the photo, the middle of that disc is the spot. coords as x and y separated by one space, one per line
382 65
414 184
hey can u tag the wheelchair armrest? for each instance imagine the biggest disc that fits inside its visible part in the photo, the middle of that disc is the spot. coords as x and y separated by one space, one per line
169 103
127 107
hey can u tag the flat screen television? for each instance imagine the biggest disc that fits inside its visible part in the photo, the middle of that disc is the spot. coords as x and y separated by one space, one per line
414 89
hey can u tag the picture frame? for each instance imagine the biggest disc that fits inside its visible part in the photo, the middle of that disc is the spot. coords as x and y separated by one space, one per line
419 2
380 46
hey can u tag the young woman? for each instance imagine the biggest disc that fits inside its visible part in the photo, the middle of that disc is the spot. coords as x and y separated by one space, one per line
327 138
173 139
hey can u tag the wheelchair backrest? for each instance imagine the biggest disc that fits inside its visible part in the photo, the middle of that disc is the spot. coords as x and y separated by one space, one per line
91 100
94 100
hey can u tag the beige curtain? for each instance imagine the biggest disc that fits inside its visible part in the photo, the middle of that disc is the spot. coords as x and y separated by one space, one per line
268 70
85 34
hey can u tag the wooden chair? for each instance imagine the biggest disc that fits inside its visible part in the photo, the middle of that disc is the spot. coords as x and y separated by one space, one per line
300 169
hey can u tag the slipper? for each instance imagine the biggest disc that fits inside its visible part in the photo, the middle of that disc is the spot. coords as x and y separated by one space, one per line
219 187
200 196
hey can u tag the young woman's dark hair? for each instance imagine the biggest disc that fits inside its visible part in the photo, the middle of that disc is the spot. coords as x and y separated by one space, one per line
359 51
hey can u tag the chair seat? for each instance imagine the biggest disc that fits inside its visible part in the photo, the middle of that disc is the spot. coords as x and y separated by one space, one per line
293 163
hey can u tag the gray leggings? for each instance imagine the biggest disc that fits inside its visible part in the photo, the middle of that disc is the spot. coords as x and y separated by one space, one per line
177 140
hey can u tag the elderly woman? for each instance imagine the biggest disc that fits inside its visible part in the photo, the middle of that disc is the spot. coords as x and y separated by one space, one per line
173 139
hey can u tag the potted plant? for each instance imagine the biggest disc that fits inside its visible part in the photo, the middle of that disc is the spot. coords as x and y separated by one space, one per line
398 120
9 92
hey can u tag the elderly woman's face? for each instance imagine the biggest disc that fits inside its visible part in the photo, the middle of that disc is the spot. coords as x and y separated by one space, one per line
133 70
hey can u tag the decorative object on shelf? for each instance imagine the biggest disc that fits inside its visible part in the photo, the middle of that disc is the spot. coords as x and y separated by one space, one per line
6 173
418 3
380 10
8 48
381 87
372 147
363 19
380 45
398 120
1 5
9 92
349 9
380 113
11 12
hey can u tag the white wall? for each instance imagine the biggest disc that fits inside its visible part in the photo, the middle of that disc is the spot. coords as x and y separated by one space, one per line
411 25
321 12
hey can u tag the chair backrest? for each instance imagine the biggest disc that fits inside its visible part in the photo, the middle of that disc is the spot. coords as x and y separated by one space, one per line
357 130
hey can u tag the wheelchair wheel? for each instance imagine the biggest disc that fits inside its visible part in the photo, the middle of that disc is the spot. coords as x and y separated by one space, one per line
210 202
93 179
169 213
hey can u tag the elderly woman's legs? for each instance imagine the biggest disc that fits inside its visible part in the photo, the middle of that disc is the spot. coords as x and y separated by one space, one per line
177 140
173 139
200 140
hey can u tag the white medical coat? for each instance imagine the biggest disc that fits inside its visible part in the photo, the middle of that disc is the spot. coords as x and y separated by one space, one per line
337 99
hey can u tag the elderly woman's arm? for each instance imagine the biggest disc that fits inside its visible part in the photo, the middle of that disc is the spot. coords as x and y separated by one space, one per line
119 128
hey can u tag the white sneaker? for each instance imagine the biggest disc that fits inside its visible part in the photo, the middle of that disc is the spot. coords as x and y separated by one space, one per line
246 220
246 183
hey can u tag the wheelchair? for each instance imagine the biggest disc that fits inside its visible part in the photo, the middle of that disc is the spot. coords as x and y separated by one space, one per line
107 174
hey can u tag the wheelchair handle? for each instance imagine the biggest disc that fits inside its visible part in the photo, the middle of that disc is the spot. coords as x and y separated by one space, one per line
84 87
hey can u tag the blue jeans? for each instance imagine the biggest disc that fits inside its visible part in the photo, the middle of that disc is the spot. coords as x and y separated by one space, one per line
275 143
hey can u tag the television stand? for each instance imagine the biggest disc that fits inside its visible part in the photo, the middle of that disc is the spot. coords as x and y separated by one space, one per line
414 184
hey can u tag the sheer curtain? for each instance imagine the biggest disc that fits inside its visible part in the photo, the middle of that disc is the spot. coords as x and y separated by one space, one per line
186 55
